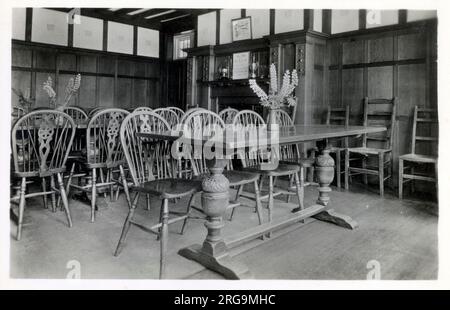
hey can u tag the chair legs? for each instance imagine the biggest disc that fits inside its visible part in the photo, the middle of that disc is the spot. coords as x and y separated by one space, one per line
23 187
400 178
147 198
188 211
164 238
93 194
300 189
53 195
44 189
126 226
338 168
347 168
380 173
125 185
258 202
62 192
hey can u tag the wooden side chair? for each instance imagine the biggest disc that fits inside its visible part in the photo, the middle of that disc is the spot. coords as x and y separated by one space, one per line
138 109
253 161
228 114
377 112
103 154
169 115
290 154
94 110
422 133
41 142
78 115
178 111
153 171
16 113
189 111
205 123
338 116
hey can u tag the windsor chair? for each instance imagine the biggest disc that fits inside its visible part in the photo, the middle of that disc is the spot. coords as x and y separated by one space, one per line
422 133
178 111
169 115
290 154
206 123
153 171
41 142
138 109
103 155
228 114
252 161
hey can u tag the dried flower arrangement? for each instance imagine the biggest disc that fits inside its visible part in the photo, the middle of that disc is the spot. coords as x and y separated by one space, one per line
72 87
25 99
279 95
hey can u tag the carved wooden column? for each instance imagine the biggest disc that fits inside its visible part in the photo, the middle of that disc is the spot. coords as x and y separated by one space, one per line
324 169
214 254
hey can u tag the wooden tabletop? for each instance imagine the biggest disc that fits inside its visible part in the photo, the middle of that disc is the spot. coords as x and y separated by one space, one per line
235 138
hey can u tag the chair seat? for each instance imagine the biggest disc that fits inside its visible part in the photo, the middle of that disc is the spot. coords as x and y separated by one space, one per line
419 158
281 170
368 150
169 188
235 177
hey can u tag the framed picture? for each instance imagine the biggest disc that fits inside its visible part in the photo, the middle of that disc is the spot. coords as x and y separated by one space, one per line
241 29
241 61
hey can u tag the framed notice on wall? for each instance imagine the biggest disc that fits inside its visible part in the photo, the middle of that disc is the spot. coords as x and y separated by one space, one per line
241 62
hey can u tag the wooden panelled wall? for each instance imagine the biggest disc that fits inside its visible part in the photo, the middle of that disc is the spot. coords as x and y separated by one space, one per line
382 64
107 79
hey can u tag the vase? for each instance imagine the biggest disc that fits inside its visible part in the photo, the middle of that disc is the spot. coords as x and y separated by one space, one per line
272 123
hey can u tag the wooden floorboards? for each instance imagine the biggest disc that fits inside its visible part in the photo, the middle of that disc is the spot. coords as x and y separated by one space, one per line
400 235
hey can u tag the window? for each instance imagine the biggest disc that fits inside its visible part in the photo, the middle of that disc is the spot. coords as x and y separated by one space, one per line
180 42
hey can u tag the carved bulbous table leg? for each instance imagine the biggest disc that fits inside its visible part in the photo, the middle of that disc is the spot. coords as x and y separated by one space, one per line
213 254
325 175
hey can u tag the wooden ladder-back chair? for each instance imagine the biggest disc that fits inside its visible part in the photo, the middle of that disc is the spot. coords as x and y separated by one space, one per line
153 172
41 142
178 111
228 114
338 116
206 123
252 161
424 131
377 112
103 154
169 115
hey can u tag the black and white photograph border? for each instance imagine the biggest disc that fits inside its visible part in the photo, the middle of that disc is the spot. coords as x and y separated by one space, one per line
104 186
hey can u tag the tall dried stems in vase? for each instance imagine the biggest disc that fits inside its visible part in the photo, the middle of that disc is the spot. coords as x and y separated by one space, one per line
280 95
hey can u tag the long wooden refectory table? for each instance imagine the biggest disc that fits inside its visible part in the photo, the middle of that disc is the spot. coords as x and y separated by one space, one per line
213 253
